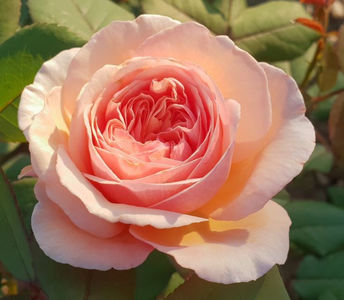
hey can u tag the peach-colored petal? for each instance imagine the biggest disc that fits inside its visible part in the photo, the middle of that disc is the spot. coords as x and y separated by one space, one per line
51 190
51 74
61 240
226 251
202 191
27 172
140 193
78 140
73 181
235 72
43 135
111 45
289 144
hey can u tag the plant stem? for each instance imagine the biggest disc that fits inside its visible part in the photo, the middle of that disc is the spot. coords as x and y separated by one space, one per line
310 68
324 97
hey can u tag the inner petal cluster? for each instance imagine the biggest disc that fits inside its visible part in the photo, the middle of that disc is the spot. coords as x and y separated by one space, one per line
154 122
163 116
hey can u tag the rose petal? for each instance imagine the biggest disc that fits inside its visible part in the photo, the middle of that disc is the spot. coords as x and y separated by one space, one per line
27 172
51 74
73 181
64 242
44 136
51 190
234 71
289 144
111 45
226 252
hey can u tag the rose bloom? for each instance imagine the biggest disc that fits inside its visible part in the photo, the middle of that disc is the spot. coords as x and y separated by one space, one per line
159 135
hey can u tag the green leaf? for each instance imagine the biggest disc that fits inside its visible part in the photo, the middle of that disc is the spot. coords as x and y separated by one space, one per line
9 123
175 281
131 5
58 281
331 296
9 18
20 58
318 277
268 287
282 198
83 17
23 190
15 250
321 160
152 276
231 9
336 194
299 65
14 165
201 11
25 18
268 32
316 226
6 148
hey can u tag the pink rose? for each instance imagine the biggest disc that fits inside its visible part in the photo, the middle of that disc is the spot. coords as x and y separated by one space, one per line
159 135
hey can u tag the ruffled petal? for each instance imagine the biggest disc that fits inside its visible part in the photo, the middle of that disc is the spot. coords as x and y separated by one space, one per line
111 45
44 136
234 71
288 145
82 190
226 251
52 73
64 242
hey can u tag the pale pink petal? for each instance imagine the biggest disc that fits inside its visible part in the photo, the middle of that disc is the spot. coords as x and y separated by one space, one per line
111 45
140 193
196 195
226 252
234 71
73 181
64 242
44 136
289 144
205 188
78 139
52 73
49 188
27 172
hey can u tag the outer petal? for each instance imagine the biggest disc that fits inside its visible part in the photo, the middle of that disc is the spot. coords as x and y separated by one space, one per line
43 135
74 209
111 45
61 240
235 72
52 73
289 144
80 189
27 171
226 252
